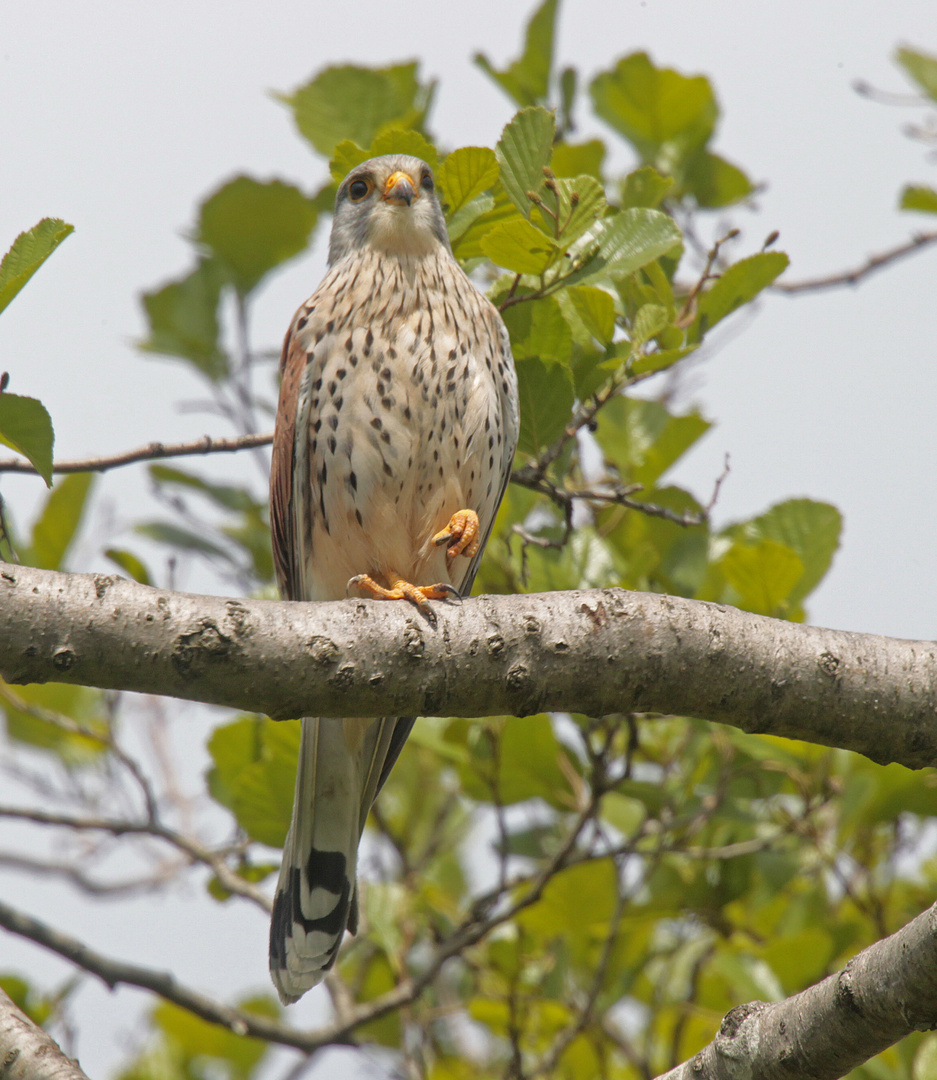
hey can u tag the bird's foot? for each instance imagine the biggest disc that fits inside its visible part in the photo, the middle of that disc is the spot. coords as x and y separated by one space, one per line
461 535
420 595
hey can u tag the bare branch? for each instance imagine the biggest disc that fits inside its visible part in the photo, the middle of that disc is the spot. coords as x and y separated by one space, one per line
853 277
27 1052
883 994
594 652
153 451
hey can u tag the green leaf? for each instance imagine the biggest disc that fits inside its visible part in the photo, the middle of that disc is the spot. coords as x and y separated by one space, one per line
715 182
649 321
519 246
26 427
577 905
643 440
194 1039
596 309
183 318
738 285
666 116
660 360
546 403
523 151
645 187
919 198
254 774
130 564
58 523
474 221
527 79
622 243
810 529
28 252
578 159
577 203
394 140
355 103
33 720
251 227
922 68
539 328
227 496
763 575
465 174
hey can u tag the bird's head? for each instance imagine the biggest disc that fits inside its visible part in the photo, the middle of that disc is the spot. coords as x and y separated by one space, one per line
389 204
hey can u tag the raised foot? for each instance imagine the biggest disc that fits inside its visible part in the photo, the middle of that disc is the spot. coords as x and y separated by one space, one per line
420 595
461 535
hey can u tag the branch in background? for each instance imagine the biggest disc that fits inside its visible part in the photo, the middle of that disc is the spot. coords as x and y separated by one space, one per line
595 651
883 994
853 277
152 452
27 1052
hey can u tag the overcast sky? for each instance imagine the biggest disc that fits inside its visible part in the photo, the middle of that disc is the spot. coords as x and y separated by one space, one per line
121 117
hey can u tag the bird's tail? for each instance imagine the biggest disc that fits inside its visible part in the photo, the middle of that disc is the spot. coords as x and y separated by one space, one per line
342 765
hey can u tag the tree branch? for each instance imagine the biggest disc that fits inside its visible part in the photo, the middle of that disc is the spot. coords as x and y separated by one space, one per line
853 277
151 452
594 652
883 994
27 1052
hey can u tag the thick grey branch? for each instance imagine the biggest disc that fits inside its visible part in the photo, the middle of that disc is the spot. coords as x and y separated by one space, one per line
883 994
594 652
27 1052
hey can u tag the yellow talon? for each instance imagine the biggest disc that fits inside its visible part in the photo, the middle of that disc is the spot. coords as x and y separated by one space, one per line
461 535
420 595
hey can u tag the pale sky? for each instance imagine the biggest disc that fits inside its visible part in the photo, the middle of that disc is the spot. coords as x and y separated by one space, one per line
121 117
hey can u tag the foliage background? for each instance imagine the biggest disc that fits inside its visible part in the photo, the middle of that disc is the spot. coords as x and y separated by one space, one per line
123 132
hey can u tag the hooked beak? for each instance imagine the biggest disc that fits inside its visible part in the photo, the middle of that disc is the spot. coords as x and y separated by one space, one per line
399 189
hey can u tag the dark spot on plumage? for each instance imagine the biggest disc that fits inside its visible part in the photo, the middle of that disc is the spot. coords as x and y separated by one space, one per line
313 445
406 412
487 423
333 422
376 423
463 348
320 334
332 443
386 374
317 385
330 326
435 455
450 388
435 400
381 387
385 437
333 386
353 480
317 424
338 402
369 338
387 469
358 516
349 344
491 441
387 402
504 385
455 441
392 353
353 360
301 322
440 471
472 475
453 353
491 462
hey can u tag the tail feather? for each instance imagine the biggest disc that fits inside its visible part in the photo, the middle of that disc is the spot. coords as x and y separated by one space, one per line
342 766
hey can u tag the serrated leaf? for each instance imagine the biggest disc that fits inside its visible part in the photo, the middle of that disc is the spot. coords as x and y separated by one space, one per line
26 427
57 525
539 328
916 197
643 440
183 319
467 238
577 203
254 774
596 309
527 79
666 116
809 528
355 103
738 285
27 253
578 159
545 392
622 243
763 575
346 156
517 245
523 151
250 227
921 67
645 187
648 322
465 174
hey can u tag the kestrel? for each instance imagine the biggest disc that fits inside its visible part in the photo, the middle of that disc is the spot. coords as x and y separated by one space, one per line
395 434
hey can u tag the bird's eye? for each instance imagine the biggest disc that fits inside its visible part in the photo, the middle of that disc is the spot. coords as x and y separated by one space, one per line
359 189
427 182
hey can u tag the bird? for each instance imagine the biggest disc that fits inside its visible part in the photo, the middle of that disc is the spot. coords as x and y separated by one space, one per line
396 429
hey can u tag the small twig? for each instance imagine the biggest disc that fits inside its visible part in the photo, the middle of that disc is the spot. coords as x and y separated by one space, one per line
853 277
152 452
